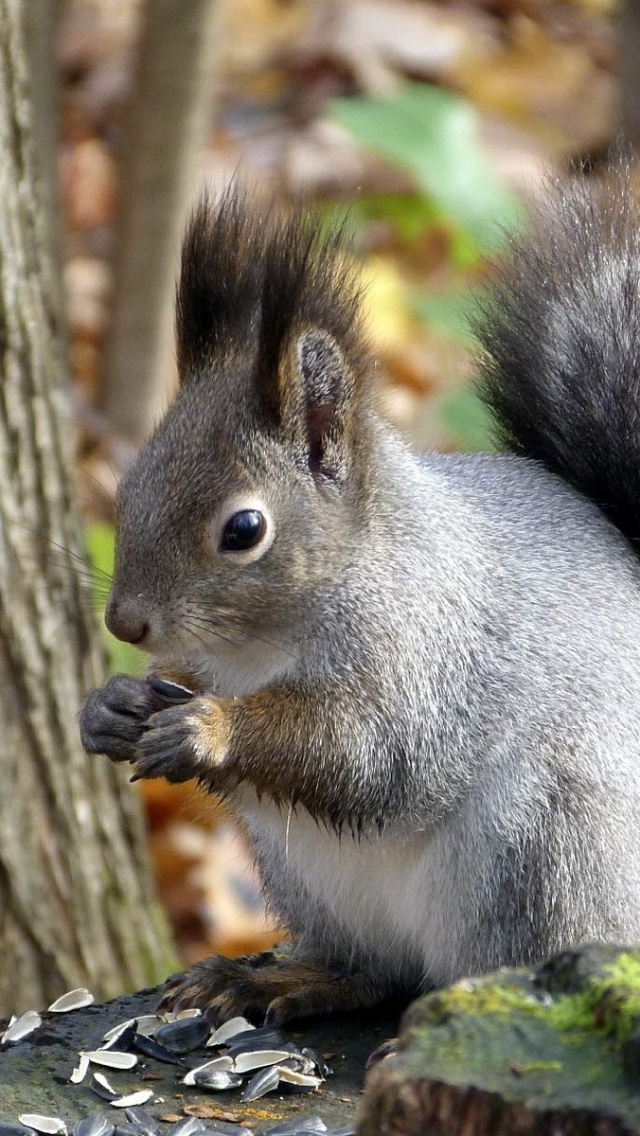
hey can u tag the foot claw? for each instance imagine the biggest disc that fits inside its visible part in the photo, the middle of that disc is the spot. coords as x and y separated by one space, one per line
270 988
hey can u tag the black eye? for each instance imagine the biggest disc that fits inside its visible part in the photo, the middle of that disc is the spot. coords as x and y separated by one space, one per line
243 530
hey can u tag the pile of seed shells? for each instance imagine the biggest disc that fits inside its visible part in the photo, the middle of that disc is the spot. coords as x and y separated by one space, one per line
256 1061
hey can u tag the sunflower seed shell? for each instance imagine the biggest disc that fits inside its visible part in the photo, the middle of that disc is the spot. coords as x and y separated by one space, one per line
302 1080
220 1064
148 1023
111 1058
188 1126
120 1036
101 1087
151 1048
94 1126
265 1081
183 1036
264 1038
72 1000
306 1124
132 1099
229 1030
217 1080
144 1121
258 1059
46 1124
21 1027
221 1128
79 1073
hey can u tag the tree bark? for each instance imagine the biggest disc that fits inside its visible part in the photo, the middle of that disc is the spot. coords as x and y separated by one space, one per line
76 901
171 111
629 48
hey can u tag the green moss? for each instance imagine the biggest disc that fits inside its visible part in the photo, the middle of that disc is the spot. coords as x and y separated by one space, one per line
539 1067
610 1004
570 1012
467 998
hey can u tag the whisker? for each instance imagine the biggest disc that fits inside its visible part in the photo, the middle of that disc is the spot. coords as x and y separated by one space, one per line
211 624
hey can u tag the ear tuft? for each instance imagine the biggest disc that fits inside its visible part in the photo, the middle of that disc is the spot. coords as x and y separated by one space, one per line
327 388
324 373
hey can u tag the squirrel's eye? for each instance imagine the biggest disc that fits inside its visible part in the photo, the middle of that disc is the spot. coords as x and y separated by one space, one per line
243 530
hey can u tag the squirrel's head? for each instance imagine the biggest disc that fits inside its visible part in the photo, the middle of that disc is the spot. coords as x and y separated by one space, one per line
245 506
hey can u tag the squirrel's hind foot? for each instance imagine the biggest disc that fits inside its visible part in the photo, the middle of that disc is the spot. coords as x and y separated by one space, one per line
270 987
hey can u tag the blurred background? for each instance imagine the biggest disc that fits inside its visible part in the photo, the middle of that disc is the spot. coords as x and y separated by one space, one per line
431 125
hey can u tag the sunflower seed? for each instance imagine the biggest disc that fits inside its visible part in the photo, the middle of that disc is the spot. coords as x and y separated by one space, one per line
218 1080
258 1059
265 1081
79 1073
111 1058
172 692
143 1120
94 1126
21 1027
221 1128
124 1033
46 1124
132 1099
182 1015
101 1087
150 1047
183 1036
229 1030
220 1064
8 1129
188 1126
249 1040
72 1000
318 1060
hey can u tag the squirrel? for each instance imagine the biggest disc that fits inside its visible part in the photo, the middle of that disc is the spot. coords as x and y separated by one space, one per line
415 678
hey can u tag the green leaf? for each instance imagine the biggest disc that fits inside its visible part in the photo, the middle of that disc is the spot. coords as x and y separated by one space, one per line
447 311
433 134
468 420
100 547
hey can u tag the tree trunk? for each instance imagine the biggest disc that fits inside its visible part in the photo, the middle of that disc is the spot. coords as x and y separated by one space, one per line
629 47
76 902
171 110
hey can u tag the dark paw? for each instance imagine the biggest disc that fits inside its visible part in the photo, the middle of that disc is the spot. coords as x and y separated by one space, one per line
113 718
221 987
167 747
271 988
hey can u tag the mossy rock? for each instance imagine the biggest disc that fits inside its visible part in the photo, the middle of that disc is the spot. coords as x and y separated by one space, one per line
553 1051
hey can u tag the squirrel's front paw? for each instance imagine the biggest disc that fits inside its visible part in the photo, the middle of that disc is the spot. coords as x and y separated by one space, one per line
184 742
113 718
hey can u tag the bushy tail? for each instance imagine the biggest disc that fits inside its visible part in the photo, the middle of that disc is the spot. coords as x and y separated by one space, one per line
561 340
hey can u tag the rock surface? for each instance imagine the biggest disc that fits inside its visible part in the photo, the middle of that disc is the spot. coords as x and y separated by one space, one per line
34 1074
518 1053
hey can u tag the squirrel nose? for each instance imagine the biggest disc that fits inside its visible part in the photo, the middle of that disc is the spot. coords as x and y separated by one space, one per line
125 620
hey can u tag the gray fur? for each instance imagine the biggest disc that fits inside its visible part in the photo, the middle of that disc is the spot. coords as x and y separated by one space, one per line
450 778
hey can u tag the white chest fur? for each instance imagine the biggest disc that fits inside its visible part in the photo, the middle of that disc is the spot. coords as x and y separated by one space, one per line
383 898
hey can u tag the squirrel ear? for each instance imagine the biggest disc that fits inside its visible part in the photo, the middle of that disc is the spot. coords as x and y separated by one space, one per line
327 388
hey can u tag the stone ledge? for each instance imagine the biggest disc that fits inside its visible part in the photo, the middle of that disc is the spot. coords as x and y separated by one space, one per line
518 1053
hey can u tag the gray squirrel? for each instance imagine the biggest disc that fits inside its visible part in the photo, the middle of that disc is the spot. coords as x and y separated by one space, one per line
416 679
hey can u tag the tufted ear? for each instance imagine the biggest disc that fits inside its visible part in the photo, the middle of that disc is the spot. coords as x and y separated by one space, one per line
321 410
